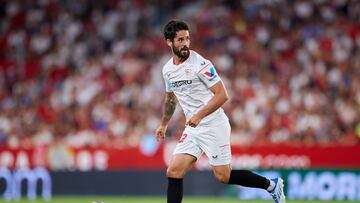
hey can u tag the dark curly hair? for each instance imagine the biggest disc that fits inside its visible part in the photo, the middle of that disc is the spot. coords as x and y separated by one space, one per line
172 27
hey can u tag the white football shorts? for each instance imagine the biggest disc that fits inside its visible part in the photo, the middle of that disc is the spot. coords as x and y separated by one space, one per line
213 140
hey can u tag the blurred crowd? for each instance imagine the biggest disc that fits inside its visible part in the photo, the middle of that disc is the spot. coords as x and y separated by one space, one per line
88 72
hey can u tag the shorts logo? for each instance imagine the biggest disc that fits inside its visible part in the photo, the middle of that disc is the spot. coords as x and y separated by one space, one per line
214 157
211 74
183 137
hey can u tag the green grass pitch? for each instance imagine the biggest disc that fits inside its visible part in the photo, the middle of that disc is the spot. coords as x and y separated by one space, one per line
90 199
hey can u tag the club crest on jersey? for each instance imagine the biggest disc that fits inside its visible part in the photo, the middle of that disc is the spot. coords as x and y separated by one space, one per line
187 71
211 73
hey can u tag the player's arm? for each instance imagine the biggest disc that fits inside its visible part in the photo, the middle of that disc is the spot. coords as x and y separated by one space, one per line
219 98
168 110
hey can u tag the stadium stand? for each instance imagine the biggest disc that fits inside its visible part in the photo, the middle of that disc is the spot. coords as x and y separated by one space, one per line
88 73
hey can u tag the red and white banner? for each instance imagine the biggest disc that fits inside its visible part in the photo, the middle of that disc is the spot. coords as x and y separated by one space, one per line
85 159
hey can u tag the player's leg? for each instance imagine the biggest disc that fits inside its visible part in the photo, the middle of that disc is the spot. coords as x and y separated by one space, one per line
185 155
216 145
222 173
246 178
179 165
225 174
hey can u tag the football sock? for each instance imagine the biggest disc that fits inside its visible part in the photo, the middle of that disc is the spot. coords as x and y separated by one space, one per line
248 179
175 190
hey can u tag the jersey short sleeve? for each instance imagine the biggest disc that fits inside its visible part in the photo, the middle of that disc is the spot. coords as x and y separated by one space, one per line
208 74
167 84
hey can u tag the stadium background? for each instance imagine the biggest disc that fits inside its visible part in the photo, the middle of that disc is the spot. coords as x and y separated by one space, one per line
81 95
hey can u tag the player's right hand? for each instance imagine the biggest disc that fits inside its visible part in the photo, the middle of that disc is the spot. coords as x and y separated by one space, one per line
160 132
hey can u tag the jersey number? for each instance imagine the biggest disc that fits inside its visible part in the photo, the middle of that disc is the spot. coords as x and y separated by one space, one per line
182 138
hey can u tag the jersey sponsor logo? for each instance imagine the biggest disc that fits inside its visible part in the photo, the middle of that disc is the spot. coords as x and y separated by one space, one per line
211 74
180 83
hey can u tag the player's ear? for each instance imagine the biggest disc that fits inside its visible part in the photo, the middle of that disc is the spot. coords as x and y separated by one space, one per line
169 42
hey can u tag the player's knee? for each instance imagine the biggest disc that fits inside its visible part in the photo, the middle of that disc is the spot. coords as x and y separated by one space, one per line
175 173
222 177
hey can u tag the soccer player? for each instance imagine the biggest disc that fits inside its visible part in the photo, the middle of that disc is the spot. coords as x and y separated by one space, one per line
192 80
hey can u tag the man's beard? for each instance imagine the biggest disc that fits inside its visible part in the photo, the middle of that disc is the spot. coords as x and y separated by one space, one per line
179 54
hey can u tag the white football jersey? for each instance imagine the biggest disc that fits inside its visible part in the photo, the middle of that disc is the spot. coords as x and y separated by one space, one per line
190 82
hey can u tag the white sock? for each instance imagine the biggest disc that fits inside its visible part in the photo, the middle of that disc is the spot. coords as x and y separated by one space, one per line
271 186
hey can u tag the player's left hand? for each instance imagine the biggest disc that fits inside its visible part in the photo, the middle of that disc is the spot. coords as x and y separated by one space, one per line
194 121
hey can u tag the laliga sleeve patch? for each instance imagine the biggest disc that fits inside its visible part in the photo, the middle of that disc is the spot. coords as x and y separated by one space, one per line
209 72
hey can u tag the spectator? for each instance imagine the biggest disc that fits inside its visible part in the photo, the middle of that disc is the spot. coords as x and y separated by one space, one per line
86 73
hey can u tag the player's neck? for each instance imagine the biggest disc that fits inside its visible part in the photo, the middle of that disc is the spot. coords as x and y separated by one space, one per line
177 60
